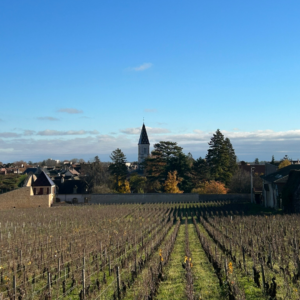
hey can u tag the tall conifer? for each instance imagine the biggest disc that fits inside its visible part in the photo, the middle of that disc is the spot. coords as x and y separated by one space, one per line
221 158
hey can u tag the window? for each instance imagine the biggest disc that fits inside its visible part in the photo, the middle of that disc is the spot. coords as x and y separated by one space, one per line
145 150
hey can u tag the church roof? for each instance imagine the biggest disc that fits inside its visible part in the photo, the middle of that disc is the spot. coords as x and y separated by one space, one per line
43 180
144 136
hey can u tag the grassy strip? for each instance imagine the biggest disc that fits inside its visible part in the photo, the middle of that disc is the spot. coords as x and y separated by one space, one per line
140 280
251 292
174 285
206 283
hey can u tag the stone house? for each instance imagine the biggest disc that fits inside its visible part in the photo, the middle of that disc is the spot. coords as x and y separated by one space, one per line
43 185
37 192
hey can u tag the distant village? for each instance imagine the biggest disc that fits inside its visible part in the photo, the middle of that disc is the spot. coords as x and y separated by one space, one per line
68 181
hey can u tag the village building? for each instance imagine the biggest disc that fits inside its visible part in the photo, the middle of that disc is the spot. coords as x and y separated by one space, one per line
273 184
291 192
143 146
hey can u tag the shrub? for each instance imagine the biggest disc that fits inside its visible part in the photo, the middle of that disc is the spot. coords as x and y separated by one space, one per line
211 187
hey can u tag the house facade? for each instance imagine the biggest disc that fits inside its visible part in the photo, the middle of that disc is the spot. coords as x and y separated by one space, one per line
273 184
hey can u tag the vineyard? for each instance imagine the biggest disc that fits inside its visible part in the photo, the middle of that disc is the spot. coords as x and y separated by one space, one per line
213 250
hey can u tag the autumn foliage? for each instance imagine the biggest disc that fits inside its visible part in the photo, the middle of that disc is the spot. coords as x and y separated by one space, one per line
284 163
171 184
211 187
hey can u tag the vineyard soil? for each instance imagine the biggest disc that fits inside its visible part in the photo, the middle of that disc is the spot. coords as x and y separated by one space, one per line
214 250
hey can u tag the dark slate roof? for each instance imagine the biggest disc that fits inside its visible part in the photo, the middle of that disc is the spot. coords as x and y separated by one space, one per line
67 187
281 175
30 171
43 180
144 136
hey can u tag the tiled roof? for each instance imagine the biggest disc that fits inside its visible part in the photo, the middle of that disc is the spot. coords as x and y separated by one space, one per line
43 180
144 136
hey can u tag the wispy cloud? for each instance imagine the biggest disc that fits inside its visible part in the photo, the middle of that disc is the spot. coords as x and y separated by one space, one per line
9 135
150 110
150 130
70 111
142 67
28 132
48 143
48 119
49 132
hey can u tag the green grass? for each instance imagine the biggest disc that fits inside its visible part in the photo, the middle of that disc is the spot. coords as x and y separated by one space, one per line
138 283
174 286
245 282
206 283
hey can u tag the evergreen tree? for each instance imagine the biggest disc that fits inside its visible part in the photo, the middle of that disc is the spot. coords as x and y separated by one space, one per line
232 157
199 171
118 169
273 160
221 158
167 157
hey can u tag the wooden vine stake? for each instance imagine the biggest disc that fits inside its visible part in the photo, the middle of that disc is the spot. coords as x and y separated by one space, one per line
15 287
83 283
49 284
263 275
118 282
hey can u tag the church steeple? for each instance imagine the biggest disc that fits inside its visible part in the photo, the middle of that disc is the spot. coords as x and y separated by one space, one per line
143 145
144 136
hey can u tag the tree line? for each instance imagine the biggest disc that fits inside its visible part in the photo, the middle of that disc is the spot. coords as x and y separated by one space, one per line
169 170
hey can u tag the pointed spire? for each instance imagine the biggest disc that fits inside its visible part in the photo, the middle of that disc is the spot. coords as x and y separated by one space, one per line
144 136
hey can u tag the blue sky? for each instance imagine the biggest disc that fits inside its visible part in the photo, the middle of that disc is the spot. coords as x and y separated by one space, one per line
77 78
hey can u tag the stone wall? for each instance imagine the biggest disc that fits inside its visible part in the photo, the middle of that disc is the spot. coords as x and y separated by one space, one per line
24 198
142 198
71 197
220 197
149 198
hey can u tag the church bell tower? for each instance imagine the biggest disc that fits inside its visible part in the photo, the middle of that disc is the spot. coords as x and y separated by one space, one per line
144 145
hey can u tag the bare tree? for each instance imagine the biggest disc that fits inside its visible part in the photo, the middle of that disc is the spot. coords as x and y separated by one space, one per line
96 176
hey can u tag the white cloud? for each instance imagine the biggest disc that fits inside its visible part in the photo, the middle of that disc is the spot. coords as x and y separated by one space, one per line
150 110
70 110
48 119
142 67
49 132
65 144
150 130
